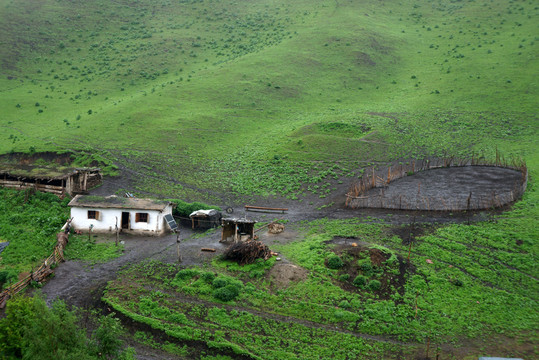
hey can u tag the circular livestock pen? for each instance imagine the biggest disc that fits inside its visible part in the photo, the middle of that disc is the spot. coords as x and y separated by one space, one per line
440 185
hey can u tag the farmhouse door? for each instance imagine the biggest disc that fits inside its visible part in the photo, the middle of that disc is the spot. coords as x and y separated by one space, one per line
125 220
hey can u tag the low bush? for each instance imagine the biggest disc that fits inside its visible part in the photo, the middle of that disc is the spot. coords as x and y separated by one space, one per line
220 282
208 276
184 209
226 293
375 285
334 262
360 281
186 274
366 268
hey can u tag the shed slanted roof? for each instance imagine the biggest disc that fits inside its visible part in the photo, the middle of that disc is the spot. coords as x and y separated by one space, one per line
115 202
42 172
238 221
211 212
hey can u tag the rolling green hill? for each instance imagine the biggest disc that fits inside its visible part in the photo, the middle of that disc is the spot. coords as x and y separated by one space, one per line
221 100
228 95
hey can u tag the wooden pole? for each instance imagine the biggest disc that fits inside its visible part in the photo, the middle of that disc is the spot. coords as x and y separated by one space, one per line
117 231
178 245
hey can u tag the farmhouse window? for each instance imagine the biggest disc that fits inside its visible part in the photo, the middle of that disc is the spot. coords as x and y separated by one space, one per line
93 214
141 217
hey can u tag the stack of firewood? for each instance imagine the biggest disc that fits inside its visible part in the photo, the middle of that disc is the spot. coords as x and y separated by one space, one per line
246 252
275 228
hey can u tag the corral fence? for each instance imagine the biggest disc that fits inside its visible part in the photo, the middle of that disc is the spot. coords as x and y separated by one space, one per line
42 272
359 195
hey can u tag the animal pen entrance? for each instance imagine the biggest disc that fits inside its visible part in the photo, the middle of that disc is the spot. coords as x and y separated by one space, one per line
238 229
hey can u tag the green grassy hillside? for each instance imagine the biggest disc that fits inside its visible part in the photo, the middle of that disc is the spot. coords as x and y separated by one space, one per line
215 100
232 95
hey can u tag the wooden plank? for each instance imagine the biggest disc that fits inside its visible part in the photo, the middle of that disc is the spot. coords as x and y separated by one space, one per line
263 208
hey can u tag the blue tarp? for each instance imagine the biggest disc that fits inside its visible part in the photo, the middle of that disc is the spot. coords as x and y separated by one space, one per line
3 245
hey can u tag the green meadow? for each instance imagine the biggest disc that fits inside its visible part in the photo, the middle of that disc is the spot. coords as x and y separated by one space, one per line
238 96
219 101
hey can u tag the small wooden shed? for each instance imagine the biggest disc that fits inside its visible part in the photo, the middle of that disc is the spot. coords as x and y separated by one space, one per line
205 219
57 180
237 229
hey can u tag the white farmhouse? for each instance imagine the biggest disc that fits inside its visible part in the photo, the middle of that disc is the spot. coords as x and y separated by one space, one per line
131 215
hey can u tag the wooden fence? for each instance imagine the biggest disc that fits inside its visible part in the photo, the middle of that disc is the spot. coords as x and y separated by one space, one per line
45 270
379 178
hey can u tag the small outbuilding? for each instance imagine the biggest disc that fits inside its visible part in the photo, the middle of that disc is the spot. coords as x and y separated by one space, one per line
238 229
59 180
205 219
129 215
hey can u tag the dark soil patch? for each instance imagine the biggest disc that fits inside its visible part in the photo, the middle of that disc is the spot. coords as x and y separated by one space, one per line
409 232
372 265
29 159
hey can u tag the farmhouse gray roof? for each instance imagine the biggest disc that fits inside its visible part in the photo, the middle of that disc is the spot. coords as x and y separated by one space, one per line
115 202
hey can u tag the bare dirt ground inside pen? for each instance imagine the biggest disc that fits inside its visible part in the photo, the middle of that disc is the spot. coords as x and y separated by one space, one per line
450 188
81 284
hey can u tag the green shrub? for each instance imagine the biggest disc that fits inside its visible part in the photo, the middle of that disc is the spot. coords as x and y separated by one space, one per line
360 281
334 262
366 268
226 293
344 304
220 282
344 277
208 276
7 275
186 274
375 285
106 339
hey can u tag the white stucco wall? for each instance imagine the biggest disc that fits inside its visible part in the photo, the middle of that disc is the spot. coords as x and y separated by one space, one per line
107 220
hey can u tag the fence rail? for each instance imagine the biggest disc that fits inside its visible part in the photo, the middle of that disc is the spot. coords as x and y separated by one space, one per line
42 272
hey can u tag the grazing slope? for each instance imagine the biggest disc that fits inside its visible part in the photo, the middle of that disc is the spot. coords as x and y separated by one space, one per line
218 94
211 100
